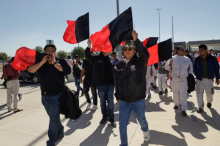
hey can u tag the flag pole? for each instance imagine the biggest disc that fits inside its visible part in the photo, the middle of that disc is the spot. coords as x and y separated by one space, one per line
172 35
159 21
119 46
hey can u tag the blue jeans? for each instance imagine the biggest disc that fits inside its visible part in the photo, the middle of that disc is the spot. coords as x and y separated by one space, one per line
124 113
51 104
106 94
77 83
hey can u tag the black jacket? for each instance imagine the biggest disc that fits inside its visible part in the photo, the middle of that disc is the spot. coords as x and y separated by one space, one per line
69 104
76 70
130 78
98 67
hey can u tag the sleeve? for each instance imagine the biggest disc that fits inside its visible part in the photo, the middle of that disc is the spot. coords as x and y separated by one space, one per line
167 66
216 67
4 73
65 66
115 78
83 65
194 66
142 51
190 67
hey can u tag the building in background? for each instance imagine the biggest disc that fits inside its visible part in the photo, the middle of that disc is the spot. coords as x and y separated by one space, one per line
211 44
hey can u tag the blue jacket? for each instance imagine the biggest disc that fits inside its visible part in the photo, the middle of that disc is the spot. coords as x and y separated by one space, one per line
213 67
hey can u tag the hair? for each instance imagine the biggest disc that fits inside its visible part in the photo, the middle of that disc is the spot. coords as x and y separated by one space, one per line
12 59
187 51
69 57
76 56
178 48
114 53
203 46
50 45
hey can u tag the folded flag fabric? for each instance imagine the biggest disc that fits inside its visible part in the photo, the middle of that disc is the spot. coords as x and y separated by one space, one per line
218 59
150 42
114 33
78 30
25 57
160 52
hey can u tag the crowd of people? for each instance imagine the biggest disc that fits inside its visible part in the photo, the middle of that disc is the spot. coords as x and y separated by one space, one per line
129 80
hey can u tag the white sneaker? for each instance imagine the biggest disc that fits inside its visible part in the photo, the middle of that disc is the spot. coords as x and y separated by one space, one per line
147 136
89 105
94 107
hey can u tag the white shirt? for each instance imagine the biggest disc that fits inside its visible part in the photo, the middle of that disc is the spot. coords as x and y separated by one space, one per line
70 62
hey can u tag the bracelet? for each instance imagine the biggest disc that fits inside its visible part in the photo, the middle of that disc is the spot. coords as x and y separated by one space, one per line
54 63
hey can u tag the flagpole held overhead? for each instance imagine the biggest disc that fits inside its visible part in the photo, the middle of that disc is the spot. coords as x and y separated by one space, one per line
172 35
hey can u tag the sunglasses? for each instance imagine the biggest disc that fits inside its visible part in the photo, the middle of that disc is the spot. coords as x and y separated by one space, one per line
129 49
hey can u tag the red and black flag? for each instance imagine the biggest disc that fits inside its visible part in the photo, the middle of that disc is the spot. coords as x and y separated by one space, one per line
114 33
78 30
150 42
160 52
25 57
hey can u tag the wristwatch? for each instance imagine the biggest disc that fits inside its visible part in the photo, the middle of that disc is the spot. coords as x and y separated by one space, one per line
54 63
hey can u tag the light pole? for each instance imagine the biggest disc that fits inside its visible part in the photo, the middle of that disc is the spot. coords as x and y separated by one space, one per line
159 21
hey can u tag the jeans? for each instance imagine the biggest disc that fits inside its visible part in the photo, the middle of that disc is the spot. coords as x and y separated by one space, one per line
86 85
124 113
106 94
77 83
56 129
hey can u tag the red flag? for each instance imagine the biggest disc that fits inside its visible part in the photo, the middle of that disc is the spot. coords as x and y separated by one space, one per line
218 59
78 30
114 33
150 42
25 57
160 52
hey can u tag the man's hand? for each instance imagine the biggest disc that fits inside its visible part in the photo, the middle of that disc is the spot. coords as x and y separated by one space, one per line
53 58
134 35
89 43
171 62
25 80
45 59
217 81
118 102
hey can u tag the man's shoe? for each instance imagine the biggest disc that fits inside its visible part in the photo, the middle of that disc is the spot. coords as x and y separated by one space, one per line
94 107
103 121
89 106
81 95
200 110
209 105
160 93
112 122
175 107
166 91
147 136
18 110
184 113
9 110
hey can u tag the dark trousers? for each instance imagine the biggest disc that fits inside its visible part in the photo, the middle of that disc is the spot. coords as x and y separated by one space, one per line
77 83
106 94
86 85
51 104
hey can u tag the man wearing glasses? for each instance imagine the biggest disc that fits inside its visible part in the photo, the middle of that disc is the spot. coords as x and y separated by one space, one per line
131 86
181 67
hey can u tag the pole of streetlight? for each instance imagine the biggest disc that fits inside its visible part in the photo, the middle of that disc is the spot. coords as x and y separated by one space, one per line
159 21
117 1
172 34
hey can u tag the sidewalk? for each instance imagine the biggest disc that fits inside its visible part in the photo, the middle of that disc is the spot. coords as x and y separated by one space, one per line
167 127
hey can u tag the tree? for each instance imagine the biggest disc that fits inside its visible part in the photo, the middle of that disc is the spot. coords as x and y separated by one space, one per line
39 49
61 54
3 56
80 51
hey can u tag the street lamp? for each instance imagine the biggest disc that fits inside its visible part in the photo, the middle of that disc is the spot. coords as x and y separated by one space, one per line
159 21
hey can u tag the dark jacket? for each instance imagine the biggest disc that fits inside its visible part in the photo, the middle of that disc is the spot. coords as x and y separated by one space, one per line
98 67
77 70
213 67
69 104
190 57
130 77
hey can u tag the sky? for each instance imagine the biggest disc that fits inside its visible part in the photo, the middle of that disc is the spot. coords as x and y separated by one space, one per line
30 23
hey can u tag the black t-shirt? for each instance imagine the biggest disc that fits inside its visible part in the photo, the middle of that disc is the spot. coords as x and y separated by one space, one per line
77 70
51 79
107 76
88 67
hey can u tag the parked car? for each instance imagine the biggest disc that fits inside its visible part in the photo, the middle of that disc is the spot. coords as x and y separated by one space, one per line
29 77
